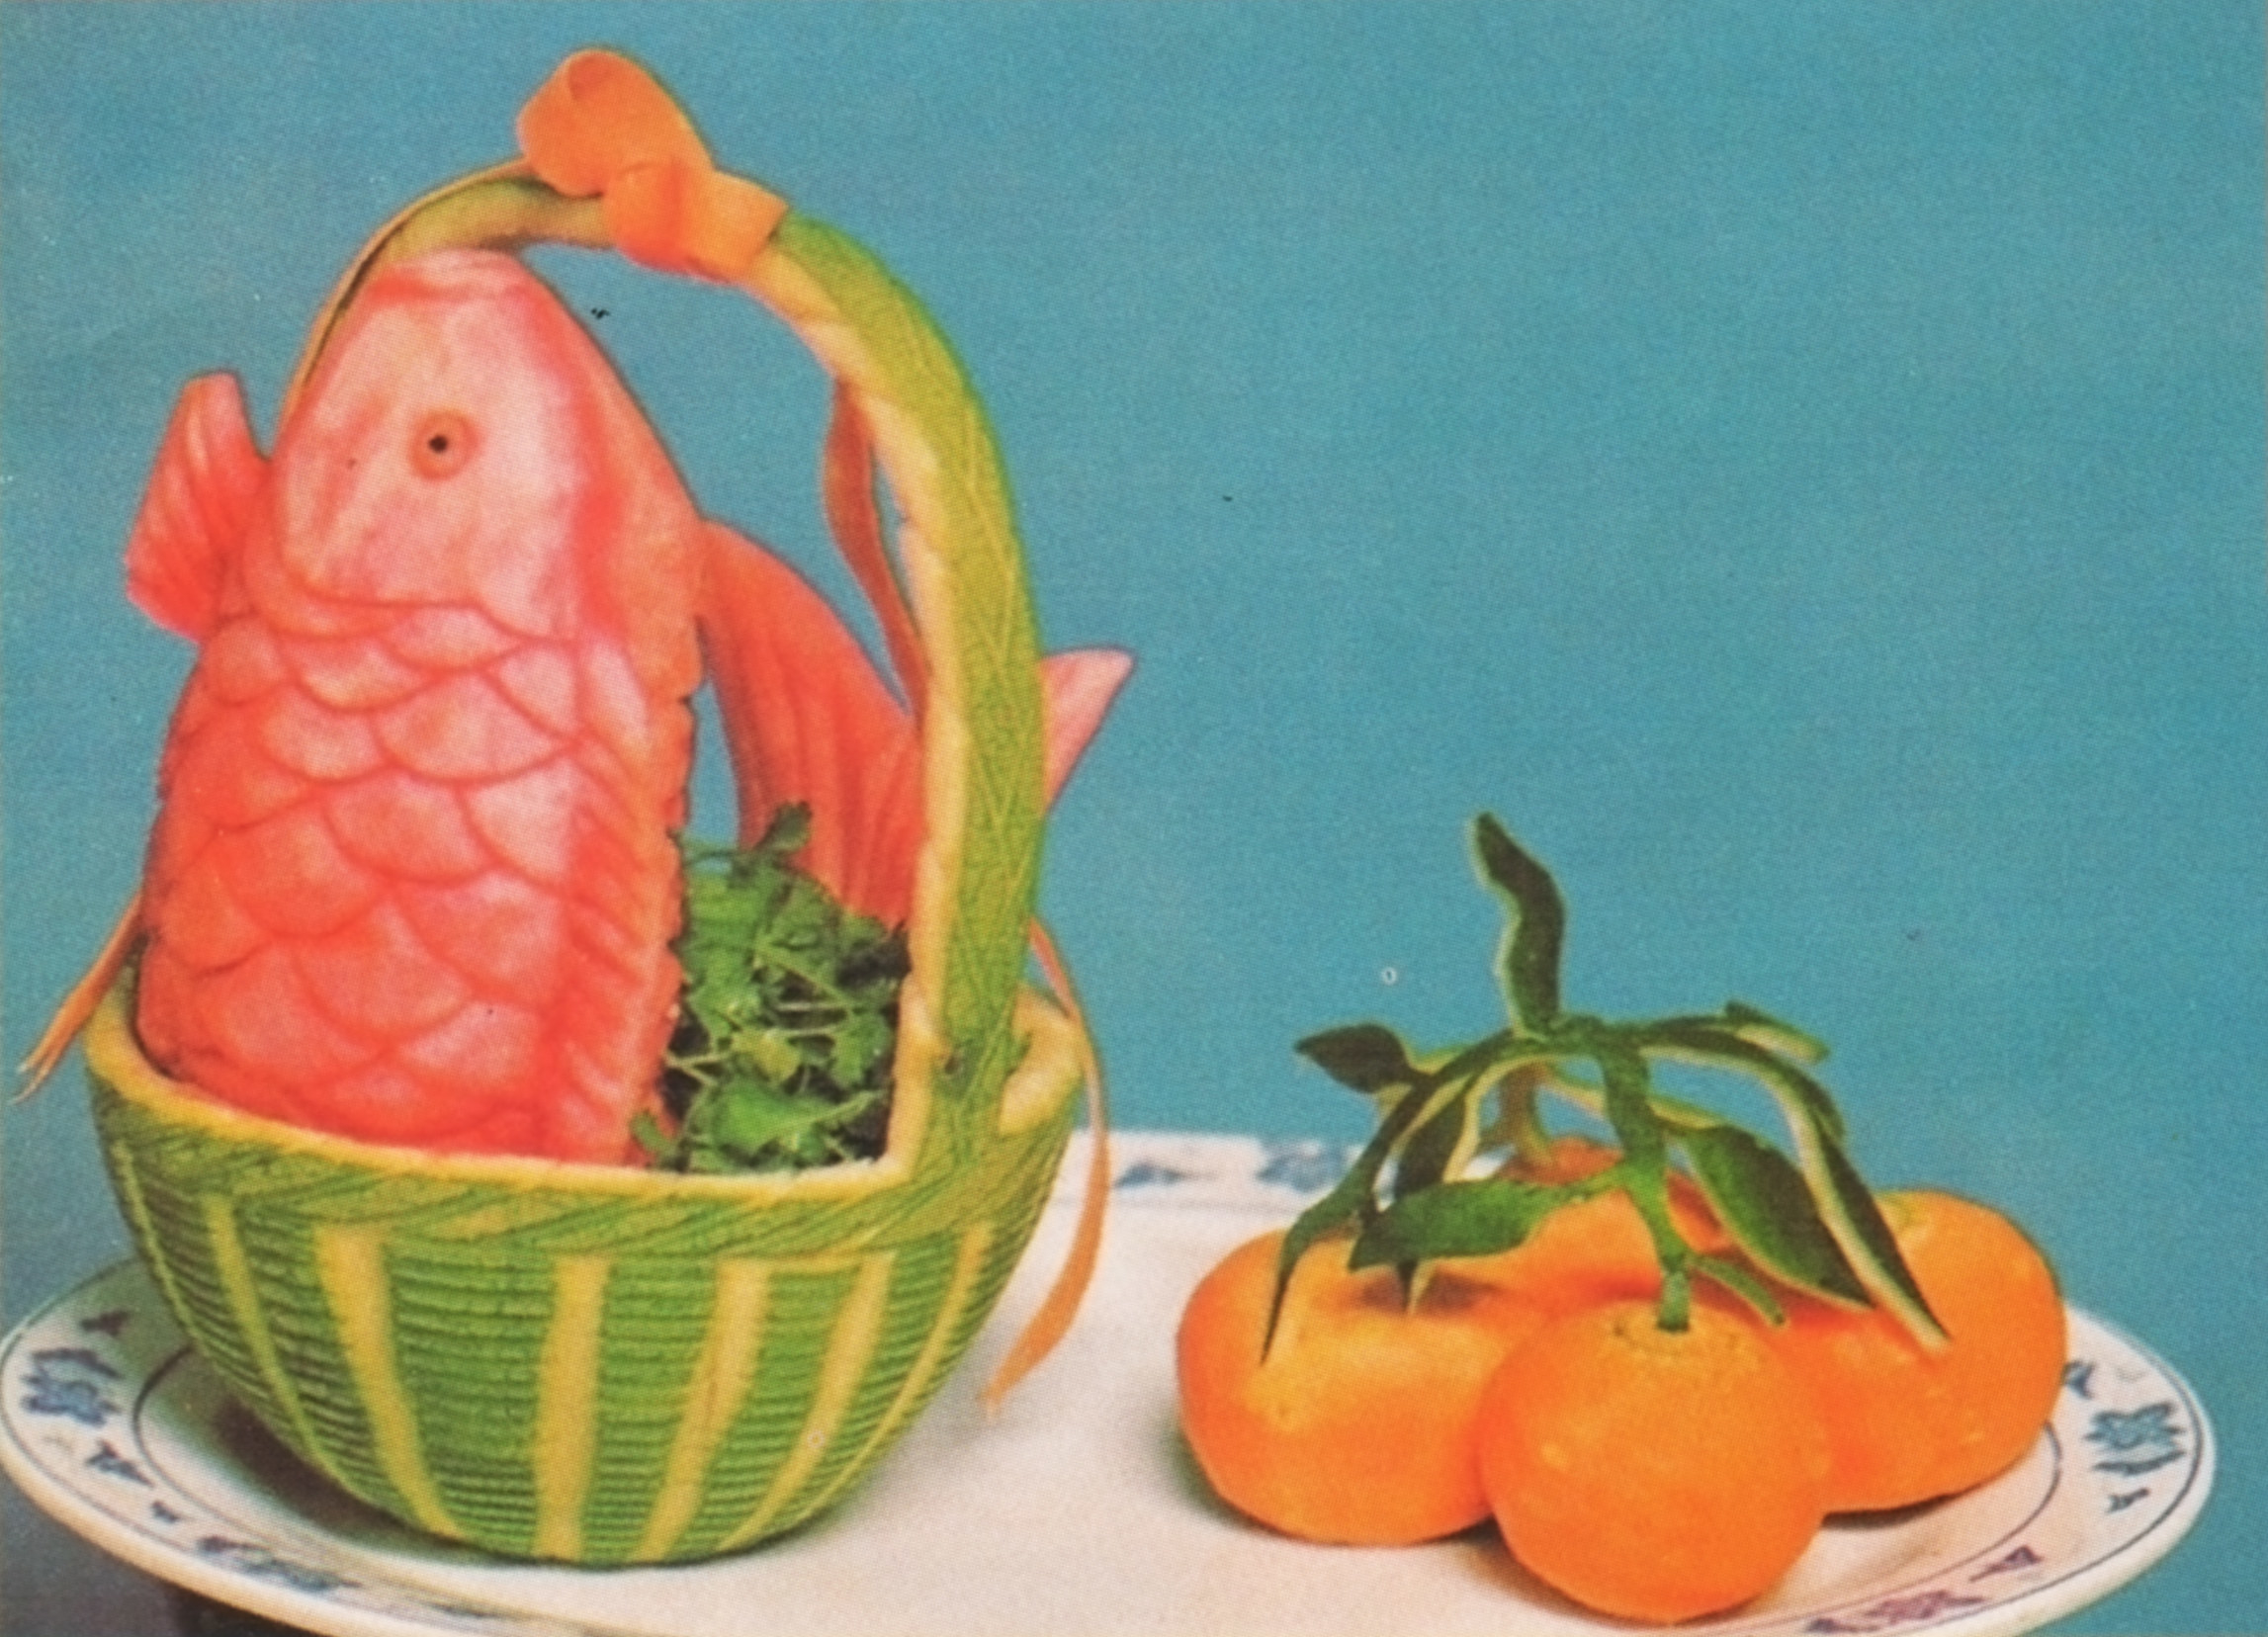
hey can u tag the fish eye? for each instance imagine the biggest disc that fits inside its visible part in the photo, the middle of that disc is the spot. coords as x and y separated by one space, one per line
442 444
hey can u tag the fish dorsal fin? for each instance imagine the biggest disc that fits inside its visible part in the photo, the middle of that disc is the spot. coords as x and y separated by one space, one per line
807 720
1077 688
208 471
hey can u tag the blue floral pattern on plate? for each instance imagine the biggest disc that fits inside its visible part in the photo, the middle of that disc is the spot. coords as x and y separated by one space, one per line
79 1380
111 1425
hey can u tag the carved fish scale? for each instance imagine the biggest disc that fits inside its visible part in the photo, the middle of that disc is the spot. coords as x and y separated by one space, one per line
413 878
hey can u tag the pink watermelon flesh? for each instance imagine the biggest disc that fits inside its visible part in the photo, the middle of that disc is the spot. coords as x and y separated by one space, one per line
413 878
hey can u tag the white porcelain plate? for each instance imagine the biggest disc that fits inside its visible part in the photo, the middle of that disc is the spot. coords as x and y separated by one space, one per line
1075 1513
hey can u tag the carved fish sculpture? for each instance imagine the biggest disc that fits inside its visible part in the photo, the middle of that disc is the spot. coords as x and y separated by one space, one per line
413 877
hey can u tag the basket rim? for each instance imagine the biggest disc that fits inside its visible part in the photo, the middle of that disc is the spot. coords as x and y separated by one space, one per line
1048 1073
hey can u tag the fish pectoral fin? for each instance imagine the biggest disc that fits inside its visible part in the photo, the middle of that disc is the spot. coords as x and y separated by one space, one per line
208 475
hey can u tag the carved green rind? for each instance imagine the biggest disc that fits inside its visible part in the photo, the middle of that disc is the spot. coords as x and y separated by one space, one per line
603 1366
983 726
606 1365
504 208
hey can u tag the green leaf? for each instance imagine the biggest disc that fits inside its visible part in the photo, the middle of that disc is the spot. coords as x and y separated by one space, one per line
1709 1042
1366 1057
1441 1143
862 1046
1527 960
1873 1250
1809 1223
1761 1028
1845 1203
661 1147
1765 1204
1478 1217
755 1115
1756 1292
1353 1198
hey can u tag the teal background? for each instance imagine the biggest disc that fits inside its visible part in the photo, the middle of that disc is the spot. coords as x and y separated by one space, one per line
1800 465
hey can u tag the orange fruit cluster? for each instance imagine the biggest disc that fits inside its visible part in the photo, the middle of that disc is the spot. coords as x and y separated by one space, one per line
1646 1474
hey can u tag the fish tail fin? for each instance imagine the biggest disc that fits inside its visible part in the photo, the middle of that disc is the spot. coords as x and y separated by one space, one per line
1078 687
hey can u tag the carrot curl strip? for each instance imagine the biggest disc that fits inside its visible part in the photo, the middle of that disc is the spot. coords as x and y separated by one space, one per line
602 126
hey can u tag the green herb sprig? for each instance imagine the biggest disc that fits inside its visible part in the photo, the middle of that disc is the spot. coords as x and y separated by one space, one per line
781 1056
1807 1222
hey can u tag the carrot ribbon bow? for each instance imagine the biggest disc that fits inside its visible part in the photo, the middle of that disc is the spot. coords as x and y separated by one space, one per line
807 718
602 126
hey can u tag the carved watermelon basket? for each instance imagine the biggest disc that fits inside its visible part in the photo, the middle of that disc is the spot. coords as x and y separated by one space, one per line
607 1365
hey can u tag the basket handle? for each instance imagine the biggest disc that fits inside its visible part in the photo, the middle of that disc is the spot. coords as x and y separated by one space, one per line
611 160
612 163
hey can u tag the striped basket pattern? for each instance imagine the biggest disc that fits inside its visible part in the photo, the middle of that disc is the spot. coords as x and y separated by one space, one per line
561 1361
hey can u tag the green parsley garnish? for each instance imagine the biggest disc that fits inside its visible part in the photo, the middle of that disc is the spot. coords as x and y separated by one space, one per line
781 1058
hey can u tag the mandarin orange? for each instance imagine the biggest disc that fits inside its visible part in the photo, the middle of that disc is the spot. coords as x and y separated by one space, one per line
1907 1424
1356 1425
1649 1474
